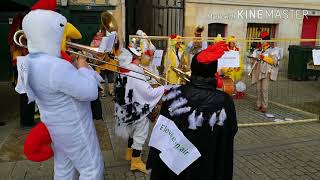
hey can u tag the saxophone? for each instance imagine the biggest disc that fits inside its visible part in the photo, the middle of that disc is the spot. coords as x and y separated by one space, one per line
197 43
196 46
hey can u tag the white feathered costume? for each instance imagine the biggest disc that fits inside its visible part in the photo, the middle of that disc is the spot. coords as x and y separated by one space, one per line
134 100
63 94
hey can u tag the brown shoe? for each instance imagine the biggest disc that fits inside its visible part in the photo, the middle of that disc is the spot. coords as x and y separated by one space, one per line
264 110
257 108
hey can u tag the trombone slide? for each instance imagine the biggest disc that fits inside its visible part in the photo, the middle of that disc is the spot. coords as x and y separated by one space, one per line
182 74
254 65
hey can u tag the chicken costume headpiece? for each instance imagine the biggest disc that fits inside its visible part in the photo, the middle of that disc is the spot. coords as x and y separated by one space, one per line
44 28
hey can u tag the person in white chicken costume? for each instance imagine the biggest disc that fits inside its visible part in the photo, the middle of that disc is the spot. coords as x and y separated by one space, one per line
63 93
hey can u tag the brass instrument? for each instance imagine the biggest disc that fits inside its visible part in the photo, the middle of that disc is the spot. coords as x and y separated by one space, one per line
159 79
108 22
89 53
17 40
184 75
254 64
197 43
196 47
98 61
183 70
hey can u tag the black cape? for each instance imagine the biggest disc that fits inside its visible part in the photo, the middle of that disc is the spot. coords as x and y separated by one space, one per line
215 143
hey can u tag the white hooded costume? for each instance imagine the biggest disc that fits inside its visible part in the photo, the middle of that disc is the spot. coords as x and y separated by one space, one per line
63 94
134 100
146 44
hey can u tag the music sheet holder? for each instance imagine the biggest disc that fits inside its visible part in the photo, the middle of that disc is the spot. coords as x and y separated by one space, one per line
107 43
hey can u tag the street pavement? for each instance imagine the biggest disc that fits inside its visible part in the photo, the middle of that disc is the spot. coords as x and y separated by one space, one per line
271 151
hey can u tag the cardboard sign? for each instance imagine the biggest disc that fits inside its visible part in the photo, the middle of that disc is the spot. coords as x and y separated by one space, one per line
177 152
157 57
107 43
316 57
229 59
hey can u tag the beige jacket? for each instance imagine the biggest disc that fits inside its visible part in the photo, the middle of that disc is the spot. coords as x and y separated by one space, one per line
263 69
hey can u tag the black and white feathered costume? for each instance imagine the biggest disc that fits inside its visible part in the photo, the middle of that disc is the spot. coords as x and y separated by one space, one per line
134 100
207 118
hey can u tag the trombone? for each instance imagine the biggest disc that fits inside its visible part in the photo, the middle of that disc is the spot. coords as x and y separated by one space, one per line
184 75
17 38
96 52
103 62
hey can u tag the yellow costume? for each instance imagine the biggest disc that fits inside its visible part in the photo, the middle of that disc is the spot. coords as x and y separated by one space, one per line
180 61
234 73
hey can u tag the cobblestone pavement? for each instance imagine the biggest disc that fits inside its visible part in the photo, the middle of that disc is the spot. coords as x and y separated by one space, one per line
246 114
299 94
266 152
278 152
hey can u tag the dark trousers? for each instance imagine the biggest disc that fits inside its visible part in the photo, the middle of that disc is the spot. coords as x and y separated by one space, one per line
107 76
96 108
26 111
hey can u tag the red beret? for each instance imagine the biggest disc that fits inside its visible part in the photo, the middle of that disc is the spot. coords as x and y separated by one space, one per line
212 53
37 146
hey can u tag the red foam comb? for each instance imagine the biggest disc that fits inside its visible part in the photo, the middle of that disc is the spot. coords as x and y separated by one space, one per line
66 56
173 36
148 52
264 34
45 5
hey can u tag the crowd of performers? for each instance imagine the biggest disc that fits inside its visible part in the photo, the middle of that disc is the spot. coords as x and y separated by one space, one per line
66 90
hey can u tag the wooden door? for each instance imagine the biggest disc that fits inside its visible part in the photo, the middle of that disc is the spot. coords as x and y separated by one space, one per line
309 29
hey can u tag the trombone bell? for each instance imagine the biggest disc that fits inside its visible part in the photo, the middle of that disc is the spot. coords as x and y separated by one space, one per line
17 40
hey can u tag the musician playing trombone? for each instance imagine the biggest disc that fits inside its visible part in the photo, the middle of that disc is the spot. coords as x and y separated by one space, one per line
63 94
176 57
264 70
134 100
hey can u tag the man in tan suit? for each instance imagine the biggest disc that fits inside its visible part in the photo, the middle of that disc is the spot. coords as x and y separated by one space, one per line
266 69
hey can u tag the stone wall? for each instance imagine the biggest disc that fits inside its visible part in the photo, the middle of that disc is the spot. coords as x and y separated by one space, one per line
289 21
306 4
